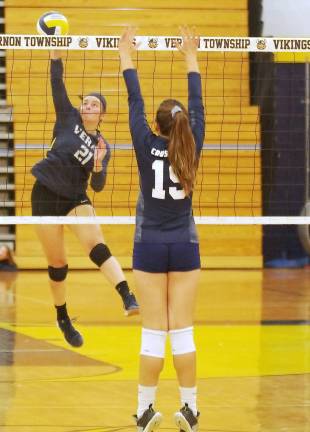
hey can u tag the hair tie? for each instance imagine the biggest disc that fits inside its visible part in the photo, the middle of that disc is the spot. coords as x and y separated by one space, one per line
175 110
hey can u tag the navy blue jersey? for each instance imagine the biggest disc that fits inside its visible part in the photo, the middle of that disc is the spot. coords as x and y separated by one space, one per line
164 213
70 161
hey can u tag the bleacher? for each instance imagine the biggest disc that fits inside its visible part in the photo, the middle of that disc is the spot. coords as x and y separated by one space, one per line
228 182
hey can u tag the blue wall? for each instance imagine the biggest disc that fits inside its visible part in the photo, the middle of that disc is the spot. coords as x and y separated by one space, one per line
284 162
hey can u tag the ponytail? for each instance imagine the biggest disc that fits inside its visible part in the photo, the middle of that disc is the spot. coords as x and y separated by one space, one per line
173 121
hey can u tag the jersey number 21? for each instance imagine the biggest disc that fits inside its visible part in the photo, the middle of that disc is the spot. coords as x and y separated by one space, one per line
83 155
158 191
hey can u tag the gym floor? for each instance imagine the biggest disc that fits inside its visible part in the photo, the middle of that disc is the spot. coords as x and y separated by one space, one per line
253 344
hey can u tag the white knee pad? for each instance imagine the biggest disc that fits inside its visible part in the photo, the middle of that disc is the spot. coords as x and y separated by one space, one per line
153 343
182 341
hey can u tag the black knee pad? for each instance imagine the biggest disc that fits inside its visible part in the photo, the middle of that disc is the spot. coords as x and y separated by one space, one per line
99 254
58 274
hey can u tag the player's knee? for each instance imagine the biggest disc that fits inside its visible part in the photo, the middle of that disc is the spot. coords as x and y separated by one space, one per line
182 341
153 343
58 274
99 254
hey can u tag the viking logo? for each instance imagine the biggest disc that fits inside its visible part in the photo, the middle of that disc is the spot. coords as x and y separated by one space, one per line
153 42
83 42
261 44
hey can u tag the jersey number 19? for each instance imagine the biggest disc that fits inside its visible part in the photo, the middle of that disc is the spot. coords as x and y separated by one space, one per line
158 191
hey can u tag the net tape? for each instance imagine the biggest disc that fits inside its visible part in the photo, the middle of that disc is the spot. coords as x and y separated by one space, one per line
130 220
155 43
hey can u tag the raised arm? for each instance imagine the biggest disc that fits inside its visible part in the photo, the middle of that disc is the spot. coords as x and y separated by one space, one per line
126 48
189 48
195 105
139 127
62 103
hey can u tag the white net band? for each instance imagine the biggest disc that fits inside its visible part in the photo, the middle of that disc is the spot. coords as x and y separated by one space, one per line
130 220
155 43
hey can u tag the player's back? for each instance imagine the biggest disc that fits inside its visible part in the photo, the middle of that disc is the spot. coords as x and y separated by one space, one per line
162 203
164 212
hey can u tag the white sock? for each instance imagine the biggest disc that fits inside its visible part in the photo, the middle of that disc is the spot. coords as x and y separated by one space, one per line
146 396
189 396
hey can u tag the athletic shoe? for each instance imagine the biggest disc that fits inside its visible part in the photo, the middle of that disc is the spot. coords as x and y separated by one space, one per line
130 304
149 421
72 336
186 420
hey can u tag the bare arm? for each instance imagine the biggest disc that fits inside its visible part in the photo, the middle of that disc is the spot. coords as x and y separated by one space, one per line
189 48
126 47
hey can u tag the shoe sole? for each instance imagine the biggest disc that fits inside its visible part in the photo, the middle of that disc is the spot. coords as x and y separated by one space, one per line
183 424
131 312
153 423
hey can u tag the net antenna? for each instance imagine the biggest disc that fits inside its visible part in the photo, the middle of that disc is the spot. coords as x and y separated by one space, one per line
304 230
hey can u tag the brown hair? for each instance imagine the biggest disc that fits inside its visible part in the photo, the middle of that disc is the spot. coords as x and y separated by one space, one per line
9 255
181 147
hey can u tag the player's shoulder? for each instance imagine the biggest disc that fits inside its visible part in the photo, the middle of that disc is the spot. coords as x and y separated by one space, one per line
157 147
67 119
157 141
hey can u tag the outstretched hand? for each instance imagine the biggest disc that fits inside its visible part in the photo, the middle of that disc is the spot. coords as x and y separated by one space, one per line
189 47
126 47
55 54
126 42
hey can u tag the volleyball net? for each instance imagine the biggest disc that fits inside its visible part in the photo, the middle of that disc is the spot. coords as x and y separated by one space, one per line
254 165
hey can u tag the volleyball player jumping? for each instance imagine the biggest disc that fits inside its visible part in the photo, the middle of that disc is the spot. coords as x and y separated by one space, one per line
166 259
78 152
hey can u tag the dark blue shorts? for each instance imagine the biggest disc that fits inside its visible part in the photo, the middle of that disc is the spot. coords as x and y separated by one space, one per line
47 203
166 257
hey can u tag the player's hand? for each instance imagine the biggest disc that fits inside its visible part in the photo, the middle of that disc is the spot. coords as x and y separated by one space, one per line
100 153
126 47
55 54
189 48
190 41
126 43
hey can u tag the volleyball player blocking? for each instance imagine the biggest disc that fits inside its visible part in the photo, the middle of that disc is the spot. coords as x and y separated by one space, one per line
166 259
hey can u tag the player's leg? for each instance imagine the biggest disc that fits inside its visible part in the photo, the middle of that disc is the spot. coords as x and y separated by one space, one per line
182 293
91 238
150 266
182 289
52 240
152 296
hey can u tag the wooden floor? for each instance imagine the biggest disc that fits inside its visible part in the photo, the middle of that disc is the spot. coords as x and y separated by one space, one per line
252 336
